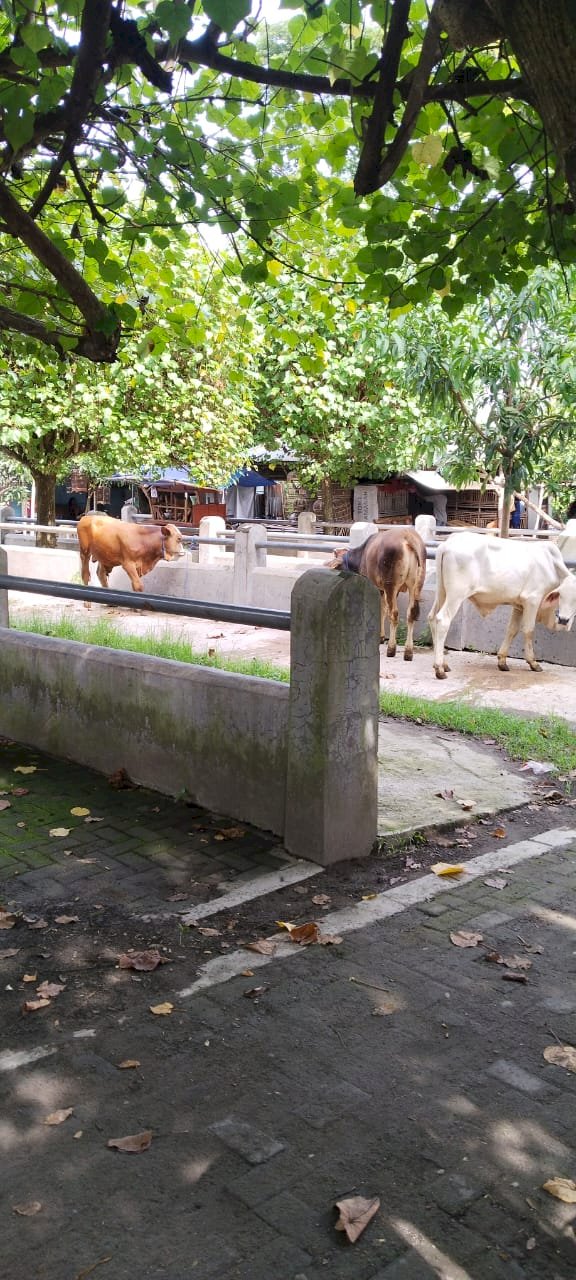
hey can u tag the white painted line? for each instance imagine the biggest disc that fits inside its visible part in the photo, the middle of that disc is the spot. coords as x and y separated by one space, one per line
391 902
257 888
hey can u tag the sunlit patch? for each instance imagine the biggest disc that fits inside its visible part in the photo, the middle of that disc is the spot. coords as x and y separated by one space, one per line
42 1089
458 1105
440 1263
13 1059
553 917
193 1171
522 1145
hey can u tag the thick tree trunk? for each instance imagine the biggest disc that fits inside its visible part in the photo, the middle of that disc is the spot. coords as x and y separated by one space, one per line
328 501
542 35
45 506
507 506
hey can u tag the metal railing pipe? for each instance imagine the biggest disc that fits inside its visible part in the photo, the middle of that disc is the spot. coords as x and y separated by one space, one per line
274 618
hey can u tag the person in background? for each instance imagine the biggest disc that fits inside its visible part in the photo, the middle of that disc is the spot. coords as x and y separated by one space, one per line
516 514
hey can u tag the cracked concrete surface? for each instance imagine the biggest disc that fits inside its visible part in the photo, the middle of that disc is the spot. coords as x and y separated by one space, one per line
443 782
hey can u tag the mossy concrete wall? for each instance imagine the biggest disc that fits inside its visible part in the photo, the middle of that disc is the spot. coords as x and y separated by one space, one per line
221 737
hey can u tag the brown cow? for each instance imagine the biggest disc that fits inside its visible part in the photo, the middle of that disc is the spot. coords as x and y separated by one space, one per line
394 560
136 548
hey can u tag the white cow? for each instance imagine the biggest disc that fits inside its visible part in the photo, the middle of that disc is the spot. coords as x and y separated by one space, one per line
529 576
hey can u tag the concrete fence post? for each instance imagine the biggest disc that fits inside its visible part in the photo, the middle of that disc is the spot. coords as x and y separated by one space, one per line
307 526
332 774
360 531
4 615
247 557
211 527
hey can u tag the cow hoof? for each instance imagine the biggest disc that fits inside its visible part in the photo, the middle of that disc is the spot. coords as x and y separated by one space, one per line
440 673
503 665
391 653
446 667
408 655
87 604
382 639
534 666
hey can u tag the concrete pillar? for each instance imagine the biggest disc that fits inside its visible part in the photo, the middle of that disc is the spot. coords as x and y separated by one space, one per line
360 531
247 557
211 527
332 776
426 527
4 616
307 526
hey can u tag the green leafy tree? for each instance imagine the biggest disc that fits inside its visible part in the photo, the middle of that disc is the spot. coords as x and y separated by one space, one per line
443 134
327 391
496 383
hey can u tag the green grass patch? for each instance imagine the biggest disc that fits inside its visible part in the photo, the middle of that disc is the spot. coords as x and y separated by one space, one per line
164 645
540 738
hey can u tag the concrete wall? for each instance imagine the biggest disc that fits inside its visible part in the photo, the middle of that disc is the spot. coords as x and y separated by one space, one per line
173 727
300 761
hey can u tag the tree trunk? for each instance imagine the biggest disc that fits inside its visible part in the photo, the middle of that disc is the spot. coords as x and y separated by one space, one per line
45 505
507 505
543 37
328 500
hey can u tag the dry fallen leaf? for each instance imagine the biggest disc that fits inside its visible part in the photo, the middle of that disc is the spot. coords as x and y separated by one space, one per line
230 833
562 1055
368 897
562 1189
466 938
305 934
5 804
50 989
93 819
134 1143
514 977
254 992
20 791
30 977
517 962
355 1214
447 868
79 1133
25 768
66 919
143 961
7 919
8 952
445 842
128 1063
207 932
30 1006
60 831
120 781
496 882
79 812
538 766
263 947
58 1117
329 939
35 924
499 832
162 1009
28 1209
321 900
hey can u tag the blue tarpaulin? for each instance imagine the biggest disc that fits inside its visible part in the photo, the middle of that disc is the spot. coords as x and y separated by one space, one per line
248 479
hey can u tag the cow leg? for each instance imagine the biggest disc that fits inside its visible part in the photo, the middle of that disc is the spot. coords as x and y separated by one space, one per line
440 626
412 614
528 624
391 607
102 575
85 567
131 569
383 617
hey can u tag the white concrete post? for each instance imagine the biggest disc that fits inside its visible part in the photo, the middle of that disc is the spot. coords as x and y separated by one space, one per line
360 531
247 557
332 775
307 526
211 527
426 527
4 615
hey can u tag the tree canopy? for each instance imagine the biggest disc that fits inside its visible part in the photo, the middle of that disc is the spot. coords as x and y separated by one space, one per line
440 138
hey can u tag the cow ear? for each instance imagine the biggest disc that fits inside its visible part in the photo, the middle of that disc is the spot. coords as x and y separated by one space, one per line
164 530
551 598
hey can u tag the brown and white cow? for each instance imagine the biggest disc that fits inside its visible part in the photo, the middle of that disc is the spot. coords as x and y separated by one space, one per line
488 571
136 548
394 560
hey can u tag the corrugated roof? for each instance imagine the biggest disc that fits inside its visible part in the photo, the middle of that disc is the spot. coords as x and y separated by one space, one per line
432 481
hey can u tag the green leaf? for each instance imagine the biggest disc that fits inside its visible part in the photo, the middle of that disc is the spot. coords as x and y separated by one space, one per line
174 18
226 13
35 36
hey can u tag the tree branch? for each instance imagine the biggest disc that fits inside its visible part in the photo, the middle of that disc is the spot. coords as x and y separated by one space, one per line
415 101
366 177
98 338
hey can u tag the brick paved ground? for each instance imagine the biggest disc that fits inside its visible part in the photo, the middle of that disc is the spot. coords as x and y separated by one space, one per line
394 1064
